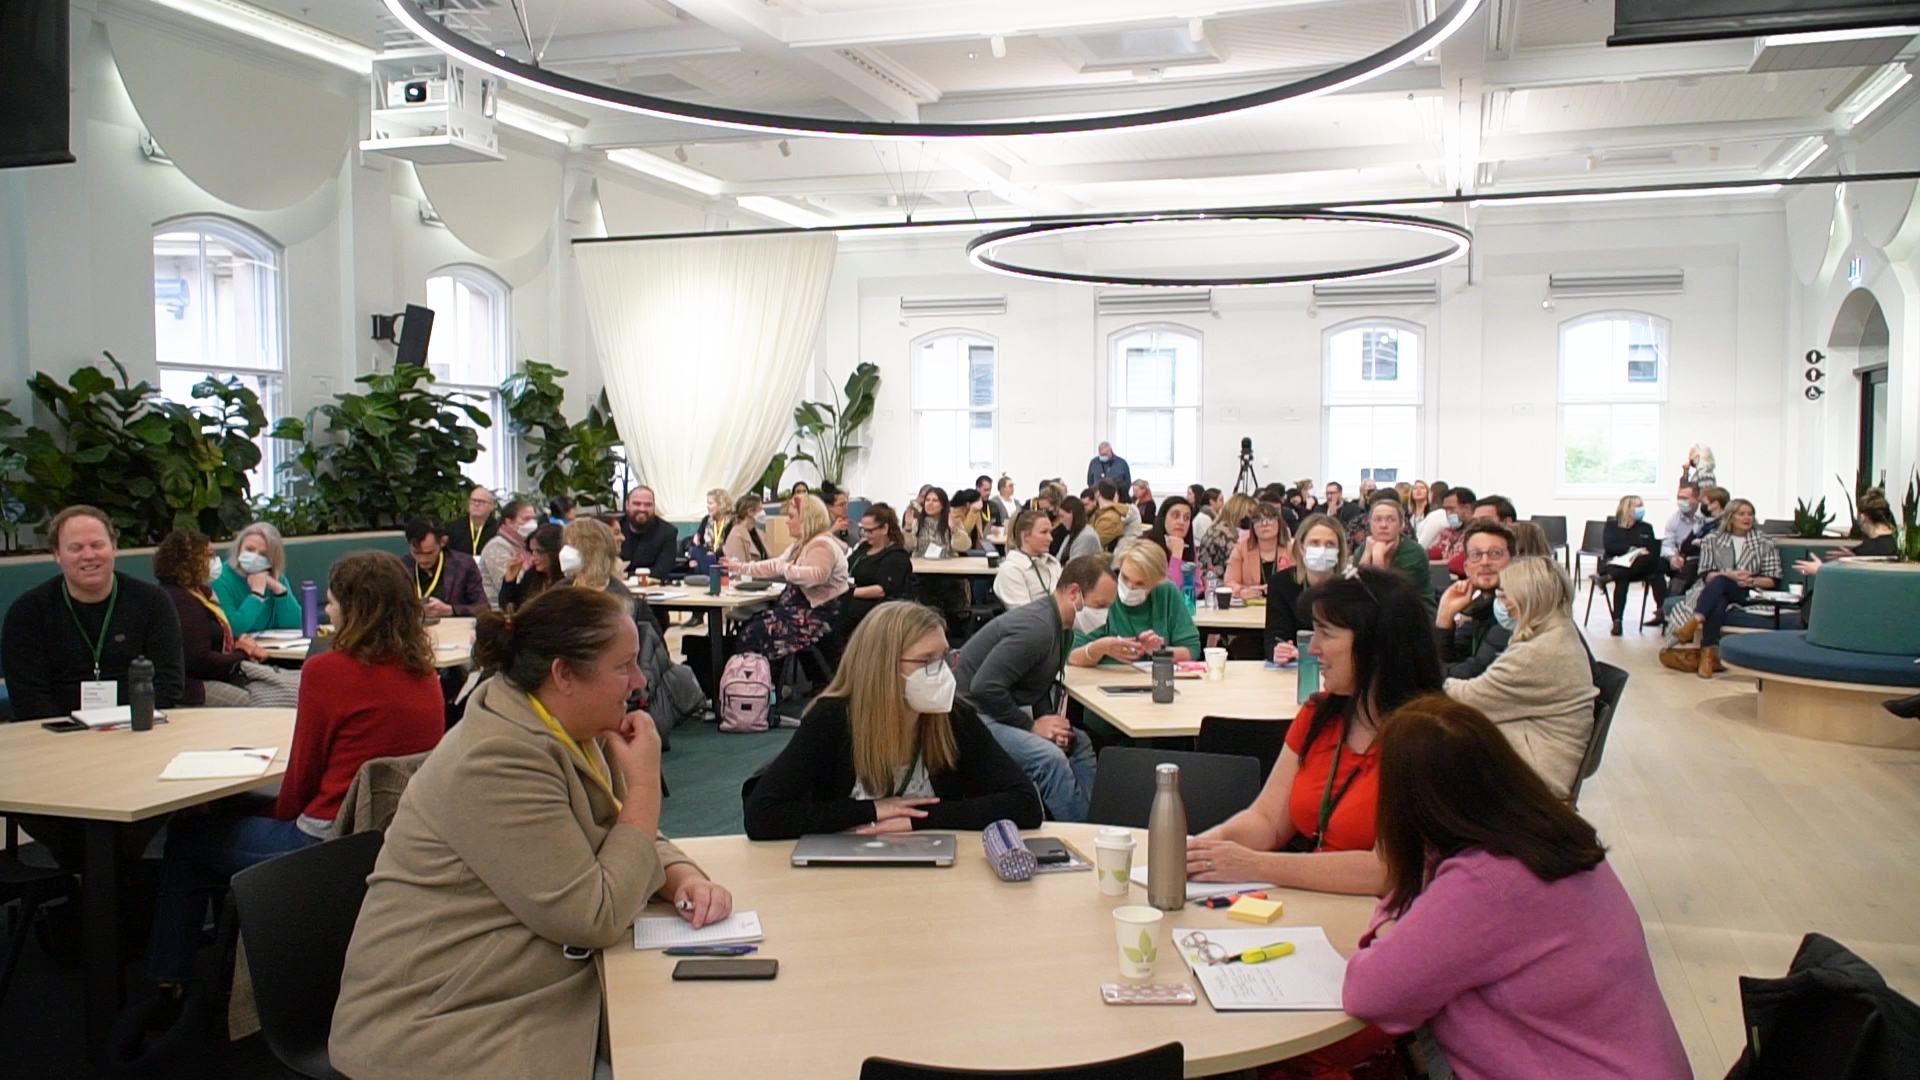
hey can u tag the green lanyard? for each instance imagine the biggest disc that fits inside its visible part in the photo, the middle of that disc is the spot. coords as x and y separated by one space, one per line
113 600
1329 798
907 778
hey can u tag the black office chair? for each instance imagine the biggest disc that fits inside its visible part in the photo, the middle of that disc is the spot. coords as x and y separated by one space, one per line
1160 1063
296 916
1214 786
1555 526
1604 586
1593 542
29 878
1259 739
1612 682
1438 573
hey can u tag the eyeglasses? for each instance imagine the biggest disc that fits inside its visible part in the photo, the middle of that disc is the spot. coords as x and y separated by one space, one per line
1486 555
1211 951
931 665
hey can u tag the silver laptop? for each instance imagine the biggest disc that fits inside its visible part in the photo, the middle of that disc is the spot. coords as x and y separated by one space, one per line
889 849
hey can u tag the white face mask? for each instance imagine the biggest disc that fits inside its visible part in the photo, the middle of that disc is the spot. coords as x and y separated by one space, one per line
930 693
570 561
215 568
1132 597
527 528
252 562
1089 620
1501 615
1319 560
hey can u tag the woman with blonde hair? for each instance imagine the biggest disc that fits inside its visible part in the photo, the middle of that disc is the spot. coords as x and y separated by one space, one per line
1630 552
745 541
590 558
815 570
1735 559
1699 470
251 585
1539 690
888 748
1149 614
1217 543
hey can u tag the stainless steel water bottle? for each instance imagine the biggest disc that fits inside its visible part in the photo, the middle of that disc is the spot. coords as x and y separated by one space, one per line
1167 842
1162 676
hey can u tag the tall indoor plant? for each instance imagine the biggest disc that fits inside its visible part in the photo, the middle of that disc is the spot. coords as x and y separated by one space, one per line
575 460
828 433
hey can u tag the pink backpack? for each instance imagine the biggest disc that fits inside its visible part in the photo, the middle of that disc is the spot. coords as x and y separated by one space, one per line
746 693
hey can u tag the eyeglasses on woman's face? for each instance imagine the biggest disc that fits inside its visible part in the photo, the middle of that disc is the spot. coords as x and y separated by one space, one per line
929 664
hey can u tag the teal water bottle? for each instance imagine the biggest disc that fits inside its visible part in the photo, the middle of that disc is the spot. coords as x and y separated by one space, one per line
1309 666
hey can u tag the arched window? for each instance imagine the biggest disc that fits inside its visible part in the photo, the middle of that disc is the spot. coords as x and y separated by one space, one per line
956 398
1613 395
217 308
471 353
1372 401
1153 402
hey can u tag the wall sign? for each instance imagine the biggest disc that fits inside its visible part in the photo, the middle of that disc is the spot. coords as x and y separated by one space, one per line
1815 373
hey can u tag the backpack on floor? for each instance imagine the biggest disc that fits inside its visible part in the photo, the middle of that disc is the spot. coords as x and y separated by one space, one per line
746 693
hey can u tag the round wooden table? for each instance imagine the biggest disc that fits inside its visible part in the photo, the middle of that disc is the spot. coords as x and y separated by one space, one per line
949 967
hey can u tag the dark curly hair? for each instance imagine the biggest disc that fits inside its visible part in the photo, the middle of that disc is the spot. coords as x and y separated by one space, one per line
182 558
380 617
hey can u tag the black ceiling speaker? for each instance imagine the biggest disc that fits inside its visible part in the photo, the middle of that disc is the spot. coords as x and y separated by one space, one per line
1647 22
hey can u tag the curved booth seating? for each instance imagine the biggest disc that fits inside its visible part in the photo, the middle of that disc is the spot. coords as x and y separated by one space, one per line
1828 681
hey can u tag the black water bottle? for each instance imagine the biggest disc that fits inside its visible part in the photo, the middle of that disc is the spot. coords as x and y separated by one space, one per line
140 692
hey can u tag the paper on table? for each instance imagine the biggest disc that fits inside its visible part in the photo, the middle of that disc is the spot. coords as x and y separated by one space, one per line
666 931
219 764
277 635
111 715
1200 890
1307 979
299 644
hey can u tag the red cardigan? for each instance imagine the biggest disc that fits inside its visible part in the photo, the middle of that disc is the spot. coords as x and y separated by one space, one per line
349 714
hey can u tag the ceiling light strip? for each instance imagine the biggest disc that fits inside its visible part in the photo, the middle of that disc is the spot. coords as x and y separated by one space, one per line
298 37
415 18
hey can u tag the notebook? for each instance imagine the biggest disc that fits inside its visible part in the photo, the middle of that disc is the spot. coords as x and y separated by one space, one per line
1308 979
887 849
111 716
219 764
668 931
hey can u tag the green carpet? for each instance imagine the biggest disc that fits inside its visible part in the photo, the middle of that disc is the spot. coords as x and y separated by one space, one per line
704 771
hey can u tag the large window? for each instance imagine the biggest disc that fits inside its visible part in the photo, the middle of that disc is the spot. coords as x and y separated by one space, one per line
1613 393
956 399
1372 401
217 314
471 353
1153 402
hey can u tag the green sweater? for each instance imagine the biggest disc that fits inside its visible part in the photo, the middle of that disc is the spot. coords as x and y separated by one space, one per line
1411 559
251 614
1165 613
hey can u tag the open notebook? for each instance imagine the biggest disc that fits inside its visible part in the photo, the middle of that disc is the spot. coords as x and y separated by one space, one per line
219 764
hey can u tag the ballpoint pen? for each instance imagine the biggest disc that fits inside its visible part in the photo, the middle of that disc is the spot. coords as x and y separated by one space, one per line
710 950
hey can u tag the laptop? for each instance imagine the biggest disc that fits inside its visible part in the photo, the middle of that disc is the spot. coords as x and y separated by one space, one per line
888 849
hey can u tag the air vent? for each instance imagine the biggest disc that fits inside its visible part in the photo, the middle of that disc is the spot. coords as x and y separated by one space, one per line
1377 293
1617 283
1144 48
1833 49
932 306
1156 302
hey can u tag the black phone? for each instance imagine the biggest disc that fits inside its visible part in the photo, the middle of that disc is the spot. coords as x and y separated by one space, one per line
69 724
1117 690
1048 852
696 970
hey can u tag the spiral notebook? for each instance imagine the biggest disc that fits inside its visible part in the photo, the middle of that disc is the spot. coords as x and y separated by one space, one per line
667 931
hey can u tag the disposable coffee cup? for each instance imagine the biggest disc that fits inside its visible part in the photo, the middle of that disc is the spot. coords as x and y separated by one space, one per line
1113 860
1137 931
1222 599
1216 664
993 561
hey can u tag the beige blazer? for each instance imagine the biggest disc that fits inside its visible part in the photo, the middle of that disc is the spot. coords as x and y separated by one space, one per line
1540 691
502 852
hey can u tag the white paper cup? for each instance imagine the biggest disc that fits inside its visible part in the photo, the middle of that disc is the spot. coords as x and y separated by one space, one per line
1216 663
1137 930
1113 860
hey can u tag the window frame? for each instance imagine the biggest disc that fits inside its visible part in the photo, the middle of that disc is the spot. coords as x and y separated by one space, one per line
1658 396
1414 377
277 378
1175 473
968 337
508 468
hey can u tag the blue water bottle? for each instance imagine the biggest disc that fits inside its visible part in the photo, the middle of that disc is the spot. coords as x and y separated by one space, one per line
309 609
1309 666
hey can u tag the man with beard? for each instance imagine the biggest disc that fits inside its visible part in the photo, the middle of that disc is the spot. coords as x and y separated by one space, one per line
647 542
1470 634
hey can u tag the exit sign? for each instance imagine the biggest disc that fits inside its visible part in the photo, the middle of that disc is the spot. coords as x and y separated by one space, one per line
1856 271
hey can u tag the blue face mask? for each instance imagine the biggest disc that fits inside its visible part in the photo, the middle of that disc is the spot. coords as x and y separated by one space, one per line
1453 521
1639 513
1501 615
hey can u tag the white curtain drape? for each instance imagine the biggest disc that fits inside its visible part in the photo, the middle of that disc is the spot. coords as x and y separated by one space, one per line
705 345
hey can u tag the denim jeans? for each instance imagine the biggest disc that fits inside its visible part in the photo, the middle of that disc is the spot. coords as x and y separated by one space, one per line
1714 600
1064 777
204 850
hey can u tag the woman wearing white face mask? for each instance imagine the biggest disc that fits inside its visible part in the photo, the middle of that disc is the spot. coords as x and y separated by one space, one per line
887 747
590 559
1149 614
1319 553
252 584
509 545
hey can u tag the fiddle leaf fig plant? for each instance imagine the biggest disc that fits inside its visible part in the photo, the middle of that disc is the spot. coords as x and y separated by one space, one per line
576 460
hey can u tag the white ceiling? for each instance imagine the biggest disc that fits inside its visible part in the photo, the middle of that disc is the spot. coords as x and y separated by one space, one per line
1526 97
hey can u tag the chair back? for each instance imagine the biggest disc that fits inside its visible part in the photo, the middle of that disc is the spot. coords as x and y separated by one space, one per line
1160 1063
1261 740
1612 682
1594 540
296 917
1441 577
1214 786
1777 527
1555 526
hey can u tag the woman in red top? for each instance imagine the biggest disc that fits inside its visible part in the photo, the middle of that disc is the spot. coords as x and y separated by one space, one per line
375 694
1313 825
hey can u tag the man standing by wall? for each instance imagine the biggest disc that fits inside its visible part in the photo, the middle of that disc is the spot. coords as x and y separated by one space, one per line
1107 465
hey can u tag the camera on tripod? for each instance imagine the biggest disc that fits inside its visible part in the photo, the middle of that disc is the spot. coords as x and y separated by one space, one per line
1247 481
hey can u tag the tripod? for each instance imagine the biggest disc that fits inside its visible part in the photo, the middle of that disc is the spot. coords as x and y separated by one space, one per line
1247 482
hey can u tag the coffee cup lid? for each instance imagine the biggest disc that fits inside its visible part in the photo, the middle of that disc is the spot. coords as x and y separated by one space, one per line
1114 837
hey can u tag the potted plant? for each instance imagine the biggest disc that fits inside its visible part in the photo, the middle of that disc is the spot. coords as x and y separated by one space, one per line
575 460
1810 522
831 430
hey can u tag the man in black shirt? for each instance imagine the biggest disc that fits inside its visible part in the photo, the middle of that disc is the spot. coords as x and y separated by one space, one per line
471 534
87 625
647 541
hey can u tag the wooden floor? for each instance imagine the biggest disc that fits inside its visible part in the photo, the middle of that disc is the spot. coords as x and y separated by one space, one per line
1736 841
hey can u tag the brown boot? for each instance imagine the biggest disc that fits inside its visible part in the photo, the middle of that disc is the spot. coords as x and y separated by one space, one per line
1687 630
1709 661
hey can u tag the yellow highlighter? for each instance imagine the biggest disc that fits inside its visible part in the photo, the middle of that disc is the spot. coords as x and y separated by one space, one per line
1266 952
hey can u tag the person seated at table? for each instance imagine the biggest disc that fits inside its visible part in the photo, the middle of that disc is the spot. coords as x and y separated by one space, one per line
815 570
1150 615
1081 539
1261 554
1003 501
878 569
251 585
1009 670
745 540
967 526
1388 546
1028 571
1530 540
1142 497
1628 532
1318 554
85 625
1540 688
518 522
479 526
1172 532
1215 550
561 510
224 670
1734 561
1312 826
1503 937
1880 538
1470 637
1457 505
1432 521
528 838
1685 560
933 538
649 544
373 694
590 559
446 582
534 571
711 533
887 748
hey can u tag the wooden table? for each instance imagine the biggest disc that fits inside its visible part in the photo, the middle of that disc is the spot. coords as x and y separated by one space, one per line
109 779
452 644
1251 691
670 598
948 967
963 566
1240 618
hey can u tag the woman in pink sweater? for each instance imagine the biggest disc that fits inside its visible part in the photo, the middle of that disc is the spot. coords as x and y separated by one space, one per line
815 570
1504 931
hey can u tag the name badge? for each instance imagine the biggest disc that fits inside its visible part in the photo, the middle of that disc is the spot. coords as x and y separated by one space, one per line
99 695
933 551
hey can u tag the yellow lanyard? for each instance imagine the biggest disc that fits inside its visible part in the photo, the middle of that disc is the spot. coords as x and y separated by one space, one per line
217 613
566 740
435 583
